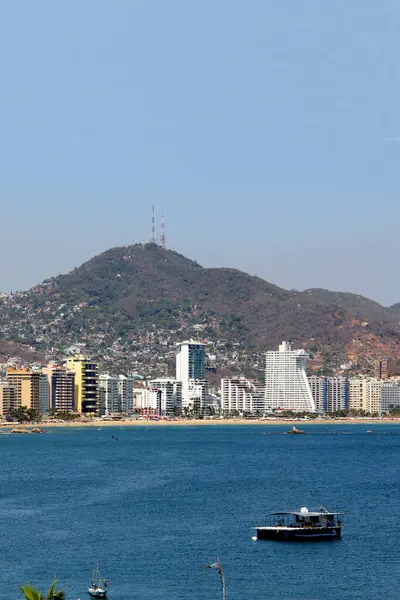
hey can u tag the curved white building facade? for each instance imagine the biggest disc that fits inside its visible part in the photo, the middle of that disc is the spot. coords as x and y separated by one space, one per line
286 382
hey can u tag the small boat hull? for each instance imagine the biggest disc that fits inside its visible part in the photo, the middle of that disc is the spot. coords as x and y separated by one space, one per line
97 593
296 431
305 534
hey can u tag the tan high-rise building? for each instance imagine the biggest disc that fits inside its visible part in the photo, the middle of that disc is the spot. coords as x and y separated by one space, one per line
7 398
373 392
365 394
86 384
27 387
357 393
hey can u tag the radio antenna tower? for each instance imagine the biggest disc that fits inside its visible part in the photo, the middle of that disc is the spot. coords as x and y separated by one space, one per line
153 228
162 234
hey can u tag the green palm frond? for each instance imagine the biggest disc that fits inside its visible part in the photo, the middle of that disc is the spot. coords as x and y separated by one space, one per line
52 594
31 593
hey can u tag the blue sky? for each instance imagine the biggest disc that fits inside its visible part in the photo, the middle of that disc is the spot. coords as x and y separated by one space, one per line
267 132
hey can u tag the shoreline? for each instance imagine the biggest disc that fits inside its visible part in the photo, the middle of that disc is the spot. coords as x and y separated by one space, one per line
199 422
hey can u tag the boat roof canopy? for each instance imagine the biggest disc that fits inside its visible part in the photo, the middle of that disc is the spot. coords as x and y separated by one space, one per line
306 513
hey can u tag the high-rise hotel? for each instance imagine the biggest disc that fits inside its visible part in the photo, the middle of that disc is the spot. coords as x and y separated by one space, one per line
190 360
115 394
61 387
86 384
31 389
330 394
7 398
242 395
286 382
190 367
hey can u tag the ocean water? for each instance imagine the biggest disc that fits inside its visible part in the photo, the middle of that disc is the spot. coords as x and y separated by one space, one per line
154 506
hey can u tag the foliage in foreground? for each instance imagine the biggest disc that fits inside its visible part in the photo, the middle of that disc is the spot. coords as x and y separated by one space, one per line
32 593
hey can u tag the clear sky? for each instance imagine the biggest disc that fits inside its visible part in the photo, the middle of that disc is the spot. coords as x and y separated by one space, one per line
268 131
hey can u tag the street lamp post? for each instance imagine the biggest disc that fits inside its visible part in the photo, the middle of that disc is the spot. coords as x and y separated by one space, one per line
217 565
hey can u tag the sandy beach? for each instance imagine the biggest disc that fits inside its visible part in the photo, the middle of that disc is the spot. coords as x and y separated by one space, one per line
200 422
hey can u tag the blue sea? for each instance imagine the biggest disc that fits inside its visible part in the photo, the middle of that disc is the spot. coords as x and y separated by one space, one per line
154 506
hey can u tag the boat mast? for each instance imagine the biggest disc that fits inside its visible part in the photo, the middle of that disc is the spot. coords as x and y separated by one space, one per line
96 576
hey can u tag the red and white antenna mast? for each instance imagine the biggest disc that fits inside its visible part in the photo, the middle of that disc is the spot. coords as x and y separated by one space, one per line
162 234
153 228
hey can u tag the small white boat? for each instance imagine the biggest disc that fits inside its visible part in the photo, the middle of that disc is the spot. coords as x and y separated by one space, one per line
98 585
295 430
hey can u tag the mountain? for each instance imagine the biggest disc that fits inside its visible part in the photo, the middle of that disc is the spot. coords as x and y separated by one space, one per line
11 350
129 305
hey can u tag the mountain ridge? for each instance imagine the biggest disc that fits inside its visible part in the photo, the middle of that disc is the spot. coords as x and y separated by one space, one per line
124 294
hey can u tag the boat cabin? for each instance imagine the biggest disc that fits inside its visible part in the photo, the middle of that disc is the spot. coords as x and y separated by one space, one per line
306 518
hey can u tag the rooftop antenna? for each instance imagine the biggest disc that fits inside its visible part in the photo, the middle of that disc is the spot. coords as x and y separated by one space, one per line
218 566
162 234
153 229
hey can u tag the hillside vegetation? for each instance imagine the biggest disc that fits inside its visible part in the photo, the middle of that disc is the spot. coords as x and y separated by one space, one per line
142 297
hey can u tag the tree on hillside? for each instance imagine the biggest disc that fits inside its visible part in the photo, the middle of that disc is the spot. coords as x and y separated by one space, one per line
32 593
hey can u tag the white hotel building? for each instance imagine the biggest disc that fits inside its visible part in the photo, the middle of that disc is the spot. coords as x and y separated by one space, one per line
286 382
242 395
390 395
109 399
115 394
190 368
145 400
161 396
171 395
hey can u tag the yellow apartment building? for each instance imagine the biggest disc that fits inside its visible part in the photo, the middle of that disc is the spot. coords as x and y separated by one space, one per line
86 384
31 389
26 386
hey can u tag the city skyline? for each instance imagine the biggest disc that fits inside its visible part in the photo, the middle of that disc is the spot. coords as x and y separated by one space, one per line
79 387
